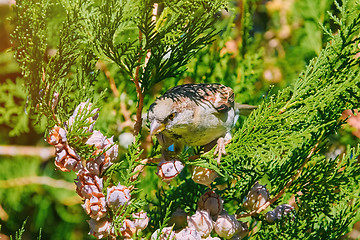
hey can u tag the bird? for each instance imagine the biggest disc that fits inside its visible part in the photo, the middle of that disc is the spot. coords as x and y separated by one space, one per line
195 115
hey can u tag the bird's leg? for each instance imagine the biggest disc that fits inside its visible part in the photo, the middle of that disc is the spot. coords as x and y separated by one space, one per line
220 146
220 149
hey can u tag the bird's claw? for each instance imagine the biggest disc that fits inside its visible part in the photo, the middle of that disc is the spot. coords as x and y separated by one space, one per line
220 149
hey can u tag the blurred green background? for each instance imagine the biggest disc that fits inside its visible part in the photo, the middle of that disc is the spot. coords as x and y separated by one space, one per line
270 41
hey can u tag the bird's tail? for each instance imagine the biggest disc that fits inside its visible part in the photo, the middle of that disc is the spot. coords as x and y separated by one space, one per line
244 109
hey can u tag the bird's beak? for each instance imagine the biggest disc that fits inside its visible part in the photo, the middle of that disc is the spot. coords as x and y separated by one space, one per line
156 127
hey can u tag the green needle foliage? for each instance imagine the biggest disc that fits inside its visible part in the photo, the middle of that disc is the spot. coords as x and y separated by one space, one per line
45 75
286 133
176 37
30 38
124 170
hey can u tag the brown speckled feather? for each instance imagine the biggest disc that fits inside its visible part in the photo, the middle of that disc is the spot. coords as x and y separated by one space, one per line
222 98
217 95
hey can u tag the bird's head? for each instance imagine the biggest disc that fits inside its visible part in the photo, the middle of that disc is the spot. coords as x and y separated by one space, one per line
162 115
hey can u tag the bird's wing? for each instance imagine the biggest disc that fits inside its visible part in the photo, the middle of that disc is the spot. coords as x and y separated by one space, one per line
220 97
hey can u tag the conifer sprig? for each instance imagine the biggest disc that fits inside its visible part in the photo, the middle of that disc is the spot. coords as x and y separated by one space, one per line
29 40
47 81
301 118
308 111
123 171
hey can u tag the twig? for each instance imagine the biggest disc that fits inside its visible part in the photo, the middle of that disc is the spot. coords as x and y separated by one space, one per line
139 168
287 106
43 152
42 180
271 201
140 96
127 116
102 66
153 19
138 121
154 13
123 109
3 215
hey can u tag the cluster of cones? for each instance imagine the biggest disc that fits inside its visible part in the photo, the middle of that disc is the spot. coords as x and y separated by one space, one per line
89 184
209 217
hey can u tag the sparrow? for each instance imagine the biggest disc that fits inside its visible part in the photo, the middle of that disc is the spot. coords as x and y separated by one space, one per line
195 115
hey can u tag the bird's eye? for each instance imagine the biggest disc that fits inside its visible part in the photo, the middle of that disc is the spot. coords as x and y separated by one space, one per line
171 116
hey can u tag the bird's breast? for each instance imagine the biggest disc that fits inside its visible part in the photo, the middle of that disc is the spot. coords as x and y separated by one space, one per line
202 127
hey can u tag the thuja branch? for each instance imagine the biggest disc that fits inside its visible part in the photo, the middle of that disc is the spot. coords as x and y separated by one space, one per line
123 109
153 19
277 196
139 168
139 92
41 180
102 66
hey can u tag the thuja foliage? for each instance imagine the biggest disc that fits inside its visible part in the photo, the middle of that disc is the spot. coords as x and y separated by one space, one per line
11 114
284 137
173 39
281 144
19 234
45 79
